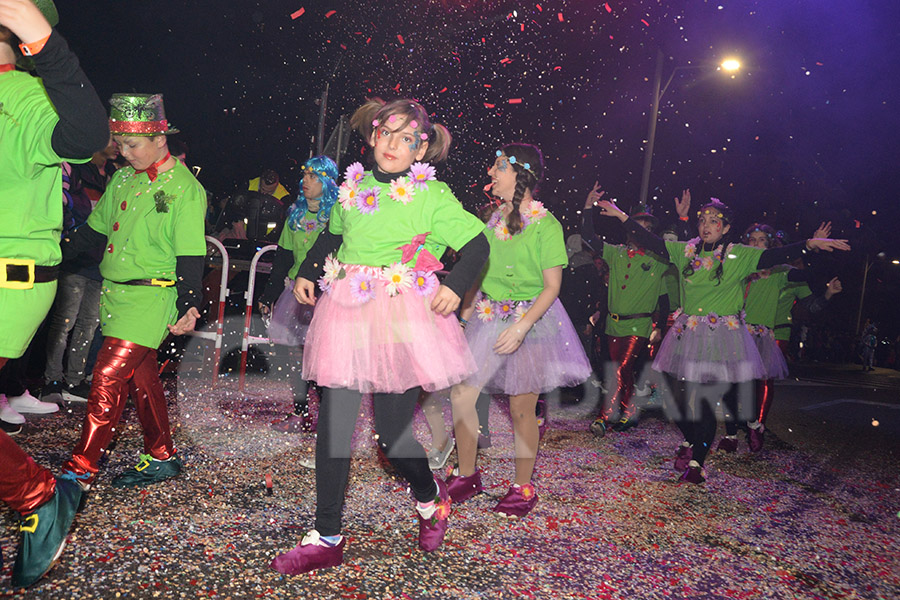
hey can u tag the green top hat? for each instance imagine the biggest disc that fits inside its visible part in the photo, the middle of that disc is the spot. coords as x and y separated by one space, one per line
138 114
48 9
643 212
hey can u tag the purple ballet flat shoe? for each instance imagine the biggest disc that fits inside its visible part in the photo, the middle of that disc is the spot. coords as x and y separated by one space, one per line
309 555
728 444
693 475
462 488
755 438
683 457
518 501
432 529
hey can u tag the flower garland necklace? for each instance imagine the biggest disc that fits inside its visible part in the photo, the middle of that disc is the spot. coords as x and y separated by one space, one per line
706 262
532 213
402 189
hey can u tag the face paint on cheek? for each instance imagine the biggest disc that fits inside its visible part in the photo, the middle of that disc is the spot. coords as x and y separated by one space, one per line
503 166
414 145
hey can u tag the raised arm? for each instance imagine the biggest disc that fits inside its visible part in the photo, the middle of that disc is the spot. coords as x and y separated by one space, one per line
643 237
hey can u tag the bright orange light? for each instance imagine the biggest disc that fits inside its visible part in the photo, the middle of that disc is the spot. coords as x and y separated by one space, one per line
731 65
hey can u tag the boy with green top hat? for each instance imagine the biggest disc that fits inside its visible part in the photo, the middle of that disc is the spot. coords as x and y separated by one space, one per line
150 221
42 124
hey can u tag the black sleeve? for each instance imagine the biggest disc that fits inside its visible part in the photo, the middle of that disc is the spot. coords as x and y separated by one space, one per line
314 262
647 240
189 274
816 303
472 257
83 127
281 265
588 234
81 241
797 275
783 255
663 307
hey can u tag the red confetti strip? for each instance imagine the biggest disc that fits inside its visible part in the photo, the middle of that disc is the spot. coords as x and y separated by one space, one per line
539 8
298 13
488 105
559 15
557 68
503 61
607 7
442 91
521 26
400 37
645 22
515 101
329 14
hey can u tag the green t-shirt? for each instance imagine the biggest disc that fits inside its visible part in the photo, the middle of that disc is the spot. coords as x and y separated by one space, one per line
516 264
375 238
762 297
672 279
147 225
701 293
634 287
794 290
299 242
31 196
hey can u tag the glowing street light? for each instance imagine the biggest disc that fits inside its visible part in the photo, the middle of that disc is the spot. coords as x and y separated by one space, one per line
730 65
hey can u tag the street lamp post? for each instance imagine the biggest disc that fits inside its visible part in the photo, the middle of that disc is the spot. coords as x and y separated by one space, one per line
730 65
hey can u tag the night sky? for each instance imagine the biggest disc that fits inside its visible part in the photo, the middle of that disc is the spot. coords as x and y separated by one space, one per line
806 131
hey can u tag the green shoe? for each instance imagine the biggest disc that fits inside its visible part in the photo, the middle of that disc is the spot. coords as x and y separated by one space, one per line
148 471
44 533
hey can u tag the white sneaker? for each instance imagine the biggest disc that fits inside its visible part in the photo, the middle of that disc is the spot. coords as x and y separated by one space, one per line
8 414
438 458
26 403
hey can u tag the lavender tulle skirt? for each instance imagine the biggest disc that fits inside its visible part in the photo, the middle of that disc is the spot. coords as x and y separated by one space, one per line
290 319
709 348
551 355
771 355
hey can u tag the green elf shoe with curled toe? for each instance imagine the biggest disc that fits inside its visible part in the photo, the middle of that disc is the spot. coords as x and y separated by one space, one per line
43 533
149 471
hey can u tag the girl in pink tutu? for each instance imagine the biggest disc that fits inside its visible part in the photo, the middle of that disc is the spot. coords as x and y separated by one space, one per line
708 349
307 218
521 337
383 323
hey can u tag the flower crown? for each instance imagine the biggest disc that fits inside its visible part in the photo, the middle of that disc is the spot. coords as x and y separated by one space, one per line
710 211
414 124
312 171
512 161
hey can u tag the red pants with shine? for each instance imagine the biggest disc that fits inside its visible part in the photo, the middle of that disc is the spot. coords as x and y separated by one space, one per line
122 368
24 485
765 389
625 351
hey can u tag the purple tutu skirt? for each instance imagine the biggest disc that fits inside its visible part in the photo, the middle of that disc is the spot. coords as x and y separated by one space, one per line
709 349
290 319
363 338
771 355
551 355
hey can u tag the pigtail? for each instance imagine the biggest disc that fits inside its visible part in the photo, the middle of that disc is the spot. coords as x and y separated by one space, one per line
438 143
721 268
514 220
362 118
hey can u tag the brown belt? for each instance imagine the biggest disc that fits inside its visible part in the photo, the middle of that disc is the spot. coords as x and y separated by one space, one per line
22 274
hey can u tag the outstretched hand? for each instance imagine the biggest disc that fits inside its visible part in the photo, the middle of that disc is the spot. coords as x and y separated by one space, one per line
824 230
826 244
608 208
593 196
185 323
683 206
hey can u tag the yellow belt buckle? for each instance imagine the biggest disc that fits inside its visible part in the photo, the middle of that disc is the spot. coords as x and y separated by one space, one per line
162 282
17 262
614 317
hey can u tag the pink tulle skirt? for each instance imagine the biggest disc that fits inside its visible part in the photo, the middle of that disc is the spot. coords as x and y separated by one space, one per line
695 351
290 319
769 352
377 343
551 355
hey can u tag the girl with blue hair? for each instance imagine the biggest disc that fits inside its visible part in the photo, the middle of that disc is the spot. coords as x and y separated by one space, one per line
307 218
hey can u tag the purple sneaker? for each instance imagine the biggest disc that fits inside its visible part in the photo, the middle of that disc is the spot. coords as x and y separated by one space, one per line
727 444
432 529
755 438
693 475
518 501
309 555
462 488
683 457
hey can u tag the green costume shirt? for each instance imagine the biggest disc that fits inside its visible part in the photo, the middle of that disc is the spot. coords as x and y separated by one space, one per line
516 264
147 225
794 290
375 238
634 287
673 286
701 293
299 242
31 203
762 297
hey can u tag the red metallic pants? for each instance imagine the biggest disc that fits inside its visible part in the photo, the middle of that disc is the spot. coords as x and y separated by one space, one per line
625 351
765 389
122 368
23 484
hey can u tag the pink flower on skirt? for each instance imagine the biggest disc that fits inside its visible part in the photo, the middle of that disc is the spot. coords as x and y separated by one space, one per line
692 322
732 322
424 282
362 288
712 319
506 308
485 310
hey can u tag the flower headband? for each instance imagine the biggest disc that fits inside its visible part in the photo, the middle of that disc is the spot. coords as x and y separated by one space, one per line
392 118
323 174
512 161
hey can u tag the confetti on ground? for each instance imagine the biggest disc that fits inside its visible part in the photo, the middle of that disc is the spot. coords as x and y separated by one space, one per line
611 521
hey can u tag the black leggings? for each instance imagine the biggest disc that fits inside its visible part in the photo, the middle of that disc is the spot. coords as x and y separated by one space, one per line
691 406
393 425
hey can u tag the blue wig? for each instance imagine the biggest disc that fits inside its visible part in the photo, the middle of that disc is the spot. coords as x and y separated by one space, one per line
327 172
